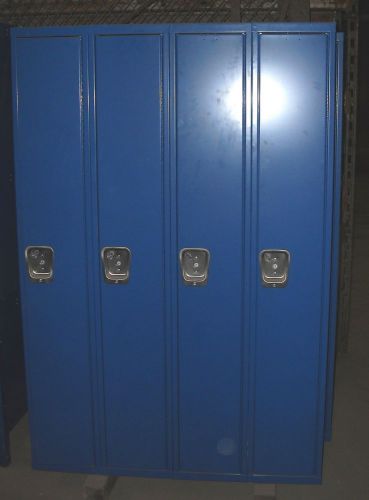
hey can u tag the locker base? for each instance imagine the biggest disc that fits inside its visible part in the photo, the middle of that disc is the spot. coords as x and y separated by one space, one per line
265 492
98 487
256 479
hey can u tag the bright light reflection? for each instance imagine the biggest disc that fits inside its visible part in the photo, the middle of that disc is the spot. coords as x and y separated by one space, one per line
273 98
233 101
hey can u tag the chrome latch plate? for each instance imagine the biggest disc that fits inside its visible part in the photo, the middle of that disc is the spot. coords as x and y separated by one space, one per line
116 263
194 265
40 261
274 266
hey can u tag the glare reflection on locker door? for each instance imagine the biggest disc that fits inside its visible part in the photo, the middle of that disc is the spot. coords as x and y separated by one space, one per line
209 152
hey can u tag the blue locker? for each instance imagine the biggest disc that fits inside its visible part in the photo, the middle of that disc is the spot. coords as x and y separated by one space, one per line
176 191
288 342
129 136
208 141
52 206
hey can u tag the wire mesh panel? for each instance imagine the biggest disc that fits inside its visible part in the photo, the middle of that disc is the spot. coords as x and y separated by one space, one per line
52 12
348 183
72 12
261 11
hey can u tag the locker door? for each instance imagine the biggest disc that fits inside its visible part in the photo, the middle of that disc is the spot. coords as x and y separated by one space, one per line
48 91
293 212
130 162
209 186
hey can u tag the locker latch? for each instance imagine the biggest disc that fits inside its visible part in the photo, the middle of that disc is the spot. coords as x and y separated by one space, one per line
274 266
40 263
116 264
194 265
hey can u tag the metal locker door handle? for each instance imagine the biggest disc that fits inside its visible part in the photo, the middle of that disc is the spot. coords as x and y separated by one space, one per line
116 263
194 265
274 267
40 261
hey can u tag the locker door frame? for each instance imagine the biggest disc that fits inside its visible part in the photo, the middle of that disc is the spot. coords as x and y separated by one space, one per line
329 30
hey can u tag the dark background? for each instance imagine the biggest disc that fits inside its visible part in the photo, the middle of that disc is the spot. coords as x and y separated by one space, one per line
363 92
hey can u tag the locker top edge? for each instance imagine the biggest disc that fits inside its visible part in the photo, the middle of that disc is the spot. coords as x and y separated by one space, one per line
172 28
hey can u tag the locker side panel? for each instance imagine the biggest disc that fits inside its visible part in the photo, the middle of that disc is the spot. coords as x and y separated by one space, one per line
50 210
12 376
209 157
130 163
294 196
335 239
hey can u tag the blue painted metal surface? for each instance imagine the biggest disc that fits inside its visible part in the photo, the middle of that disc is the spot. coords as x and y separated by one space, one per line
129 136
294 190
209 73
12 378
49 79
159 138
335 240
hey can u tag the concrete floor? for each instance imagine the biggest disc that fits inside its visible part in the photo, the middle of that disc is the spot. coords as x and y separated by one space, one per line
346 465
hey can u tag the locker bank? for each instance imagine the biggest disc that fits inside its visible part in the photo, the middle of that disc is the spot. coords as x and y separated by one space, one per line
177 205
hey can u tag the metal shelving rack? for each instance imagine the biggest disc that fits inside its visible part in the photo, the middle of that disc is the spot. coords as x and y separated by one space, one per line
344 12
351 29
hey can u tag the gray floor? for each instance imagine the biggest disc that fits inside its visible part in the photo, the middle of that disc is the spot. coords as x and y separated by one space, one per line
346 465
